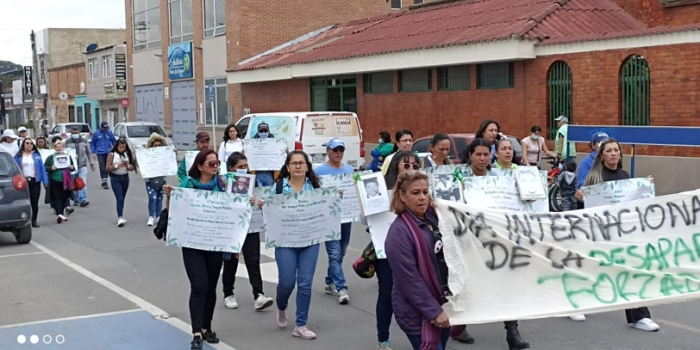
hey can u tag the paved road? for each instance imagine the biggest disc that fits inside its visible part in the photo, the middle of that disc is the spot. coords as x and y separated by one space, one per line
93 286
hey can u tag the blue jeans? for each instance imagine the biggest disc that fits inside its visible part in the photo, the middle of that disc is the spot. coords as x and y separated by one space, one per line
120 184
81 196
384 308
155 200
336 252
444 337
102 162
264 178
296 266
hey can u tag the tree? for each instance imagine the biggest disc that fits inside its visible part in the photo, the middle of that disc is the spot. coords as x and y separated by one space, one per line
6 79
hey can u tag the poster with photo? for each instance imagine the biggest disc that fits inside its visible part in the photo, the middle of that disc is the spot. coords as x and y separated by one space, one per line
529 183
447 188
61 161
242 184
373 194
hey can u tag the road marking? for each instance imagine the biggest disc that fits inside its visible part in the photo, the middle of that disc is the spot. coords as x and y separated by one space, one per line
143 304
22 254
71 318
677 325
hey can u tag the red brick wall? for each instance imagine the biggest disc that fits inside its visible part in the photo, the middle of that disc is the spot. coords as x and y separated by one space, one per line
65 79
276 96
655 14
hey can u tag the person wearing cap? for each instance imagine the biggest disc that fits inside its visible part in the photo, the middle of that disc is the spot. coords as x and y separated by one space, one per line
587 162
568 154
22 132
201 140
242 185
8 143
335 279
264 178
101 145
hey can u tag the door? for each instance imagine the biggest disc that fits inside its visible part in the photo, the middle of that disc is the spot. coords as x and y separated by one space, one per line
80 114
88 116
184 111
149 103
334 94
71 114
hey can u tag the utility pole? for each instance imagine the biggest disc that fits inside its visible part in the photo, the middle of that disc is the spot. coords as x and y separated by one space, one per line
36 119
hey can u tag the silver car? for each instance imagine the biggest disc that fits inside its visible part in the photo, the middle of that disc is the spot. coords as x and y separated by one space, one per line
138 133
63 131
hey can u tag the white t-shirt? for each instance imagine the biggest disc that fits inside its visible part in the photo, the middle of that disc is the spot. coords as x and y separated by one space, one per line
28 166
228 148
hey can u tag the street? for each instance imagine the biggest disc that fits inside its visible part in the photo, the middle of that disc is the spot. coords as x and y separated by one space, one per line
93 286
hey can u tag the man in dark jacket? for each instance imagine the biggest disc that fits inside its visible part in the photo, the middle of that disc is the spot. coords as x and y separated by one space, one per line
101 144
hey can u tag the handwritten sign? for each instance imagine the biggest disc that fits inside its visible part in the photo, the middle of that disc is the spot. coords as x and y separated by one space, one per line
208 220
612 257
345 182
189 159
620 191
157 161
302 219
500 192
265 154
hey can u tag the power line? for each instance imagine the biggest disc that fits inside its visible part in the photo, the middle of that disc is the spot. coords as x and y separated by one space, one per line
17 38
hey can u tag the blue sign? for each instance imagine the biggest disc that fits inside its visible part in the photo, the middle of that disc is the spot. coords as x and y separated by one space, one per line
211 93
180 63
639 135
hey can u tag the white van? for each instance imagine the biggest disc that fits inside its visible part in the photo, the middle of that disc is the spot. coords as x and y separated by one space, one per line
310 132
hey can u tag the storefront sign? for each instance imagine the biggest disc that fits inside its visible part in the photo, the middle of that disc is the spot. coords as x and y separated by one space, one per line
39 103
180 61
125 102
17 92
120 68
109 89
28 82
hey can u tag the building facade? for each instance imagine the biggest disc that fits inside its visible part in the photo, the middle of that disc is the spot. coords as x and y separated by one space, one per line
107 83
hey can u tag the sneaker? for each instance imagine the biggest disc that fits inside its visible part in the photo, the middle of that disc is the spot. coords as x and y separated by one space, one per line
262 302
121 222
210 337
69 210
282 319
230 302
343 297
63 217
196 343
384 345
330 289
35 225
59 220
577 318
104 185
303 333
646 324
84 204
150 221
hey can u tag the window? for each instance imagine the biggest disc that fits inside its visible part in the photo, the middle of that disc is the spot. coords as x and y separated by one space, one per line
214 18
453 78
144 131
106 66
560 87
415 80
495 75
92 68
417 2
635 88
146 24
379 83
396 5
181 21
220 101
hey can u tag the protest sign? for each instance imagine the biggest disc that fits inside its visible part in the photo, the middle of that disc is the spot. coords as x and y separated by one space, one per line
302 219
346 182
266 154
189 159
529 185
208 220
157 161
378 225
372 194
45 154
511 265
61 161
620 191
501 192
257 223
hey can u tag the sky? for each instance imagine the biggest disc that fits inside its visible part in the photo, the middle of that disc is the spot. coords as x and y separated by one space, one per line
20 17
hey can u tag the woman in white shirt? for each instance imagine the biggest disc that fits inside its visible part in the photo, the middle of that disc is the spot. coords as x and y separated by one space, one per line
532 146
232 143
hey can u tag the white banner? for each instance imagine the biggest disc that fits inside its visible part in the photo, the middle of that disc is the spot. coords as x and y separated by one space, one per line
346 182
157 161
208 220
265 154
189 160
302 219
510 265
620 191
379 225
501 192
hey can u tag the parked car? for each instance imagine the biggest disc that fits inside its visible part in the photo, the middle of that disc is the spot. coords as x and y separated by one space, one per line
459 143
15 208
138 133
63 131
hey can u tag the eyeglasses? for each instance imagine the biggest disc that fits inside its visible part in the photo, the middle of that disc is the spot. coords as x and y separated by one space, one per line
408 166
297 164
339 149
213 164
263 130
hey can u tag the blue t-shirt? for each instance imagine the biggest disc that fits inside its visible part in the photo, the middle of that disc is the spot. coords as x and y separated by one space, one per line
325 169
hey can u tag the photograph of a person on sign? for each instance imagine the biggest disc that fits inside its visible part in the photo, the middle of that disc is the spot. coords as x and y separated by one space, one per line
243 184
446 188
374 195
530 183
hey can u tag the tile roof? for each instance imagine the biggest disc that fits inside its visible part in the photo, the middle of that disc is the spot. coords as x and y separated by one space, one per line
620 34
456 23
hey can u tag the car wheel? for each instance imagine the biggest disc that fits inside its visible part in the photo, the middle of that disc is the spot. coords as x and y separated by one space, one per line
24 234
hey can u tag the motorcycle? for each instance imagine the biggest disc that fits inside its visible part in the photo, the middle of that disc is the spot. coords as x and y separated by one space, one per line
553 176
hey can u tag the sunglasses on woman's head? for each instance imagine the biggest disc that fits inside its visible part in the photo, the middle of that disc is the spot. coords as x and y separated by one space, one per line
213 164
408 166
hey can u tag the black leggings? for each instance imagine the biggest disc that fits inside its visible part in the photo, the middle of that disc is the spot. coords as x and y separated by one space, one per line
203 268
34 194
58 196
251 254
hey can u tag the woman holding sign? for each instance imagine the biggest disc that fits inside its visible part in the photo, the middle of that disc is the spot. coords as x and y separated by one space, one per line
120 162
296 265
414 251
154 186
58 168
607 166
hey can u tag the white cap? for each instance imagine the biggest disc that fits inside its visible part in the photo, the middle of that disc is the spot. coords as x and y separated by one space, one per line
21 128
9 133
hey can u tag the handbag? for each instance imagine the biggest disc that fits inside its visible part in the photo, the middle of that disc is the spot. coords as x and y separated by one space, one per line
156 183
79 183
364 265
161 228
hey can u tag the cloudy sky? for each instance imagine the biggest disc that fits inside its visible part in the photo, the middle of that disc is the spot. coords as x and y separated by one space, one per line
20 17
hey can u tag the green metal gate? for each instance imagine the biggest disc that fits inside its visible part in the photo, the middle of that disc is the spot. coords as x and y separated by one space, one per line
560 84
334 94
635 91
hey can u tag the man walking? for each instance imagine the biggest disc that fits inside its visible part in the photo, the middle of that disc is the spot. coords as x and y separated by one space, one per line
335 279
264 178
102 142
83 156
565 149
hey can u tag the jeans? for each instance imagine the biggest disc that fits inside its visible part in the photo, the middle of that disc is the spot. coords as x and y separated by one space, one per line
120 184
102 161
264 178
569 203
384 308
81 196
34 194
444 337
336 252
202 269
296 266
251 254
155 200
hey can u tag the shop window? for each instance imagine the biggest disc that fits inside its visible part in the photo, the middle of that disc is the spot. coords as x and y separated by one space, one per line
415 80
495 75
635 91
220 112
146 24
396 5
453 78
379 83
181 21
214 18
559 88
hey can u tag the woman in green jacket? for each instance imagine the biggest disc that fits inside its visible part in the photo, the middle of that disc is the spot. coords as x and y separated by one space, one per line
384 147
60 180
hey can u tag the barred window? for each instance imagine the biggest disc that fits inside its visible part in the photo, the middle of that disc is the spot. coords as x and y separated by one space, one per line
453 78
495 75
415 80
379 83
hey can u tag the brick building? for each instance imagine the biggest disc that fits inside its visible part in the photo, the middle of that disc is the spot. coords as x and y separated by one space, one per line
213 35
66 79
444 67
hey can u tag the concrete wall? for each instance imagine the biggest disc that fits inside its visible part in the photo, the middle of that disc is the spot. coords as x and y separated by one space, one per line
147 68
66 46
214 56
96 86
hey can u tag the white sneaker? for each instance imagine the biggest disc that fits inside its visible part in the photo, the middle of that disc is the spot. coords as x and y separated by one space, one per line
231 302
330 289
121 222
646 324
577 318
150 221
263 302
343 297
